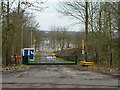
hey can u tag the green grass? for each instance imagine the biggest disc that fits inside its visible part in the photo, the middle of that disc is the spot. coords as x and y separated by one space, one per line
31 62
65 60
61 59
51 55
37 57
79 63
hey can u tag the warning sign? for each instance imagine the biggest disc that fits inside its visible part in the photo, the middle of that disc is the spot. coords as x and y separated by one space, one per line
54 58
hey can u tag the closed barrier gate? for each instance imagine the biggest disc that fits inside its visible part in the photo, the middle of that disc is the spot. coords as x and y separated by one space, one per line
51 60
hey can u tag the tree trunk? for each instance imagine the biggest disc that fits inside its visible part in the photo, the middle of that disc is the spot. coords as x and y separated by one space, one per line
100 38
86 26
110 31
7 30
18 8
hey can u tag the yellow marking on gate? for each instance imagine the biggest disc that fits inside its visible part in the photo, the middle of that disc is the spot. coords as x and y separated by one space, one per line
87 63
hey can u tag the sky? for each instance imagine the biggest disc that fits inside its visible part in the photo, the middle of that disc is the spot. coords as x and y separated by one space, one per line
50 17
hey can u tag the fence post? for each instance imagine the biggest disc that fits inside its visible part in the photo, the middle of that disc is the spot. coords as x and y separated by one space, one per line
96 57
15 59
6 60
3 60
22 57
110 59
22 60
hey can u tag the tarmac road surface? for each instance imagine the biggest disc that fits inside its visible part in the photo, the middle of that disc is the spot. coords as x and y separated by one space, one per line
56 76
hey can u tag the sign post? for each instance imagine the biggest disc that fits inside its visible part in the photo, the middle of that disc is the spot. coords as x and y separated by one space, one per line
83 52
85 62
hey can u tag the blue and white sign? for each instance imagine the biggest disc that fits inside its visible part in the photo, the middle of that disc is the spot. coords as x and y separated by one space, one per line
30 52
49 58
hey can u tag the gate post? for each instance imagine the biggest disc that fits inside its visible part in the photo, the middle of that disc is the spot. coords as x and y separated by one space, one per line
96 58
76 59
86 56
25 59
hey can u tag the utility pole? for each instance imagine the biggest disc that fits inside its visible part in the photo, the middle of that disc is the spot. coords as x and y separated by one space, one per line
31 38
22 32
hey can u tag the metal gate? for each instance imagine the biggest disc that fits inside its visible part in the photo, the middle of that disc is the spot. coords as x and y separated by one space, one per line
53 60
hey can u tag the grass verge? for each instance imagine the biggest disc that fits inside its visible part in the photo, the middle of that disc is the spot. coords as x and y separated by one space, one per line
31 62
14 67
61 59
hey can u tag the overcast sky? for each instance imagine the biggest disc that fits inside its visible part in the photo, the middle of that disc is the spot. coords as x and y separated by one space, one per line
50 17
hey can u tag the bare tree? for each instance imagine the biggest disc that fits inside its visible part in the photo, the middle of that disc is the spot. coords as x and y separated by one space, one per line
11 25
58 37
100 24
79 11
